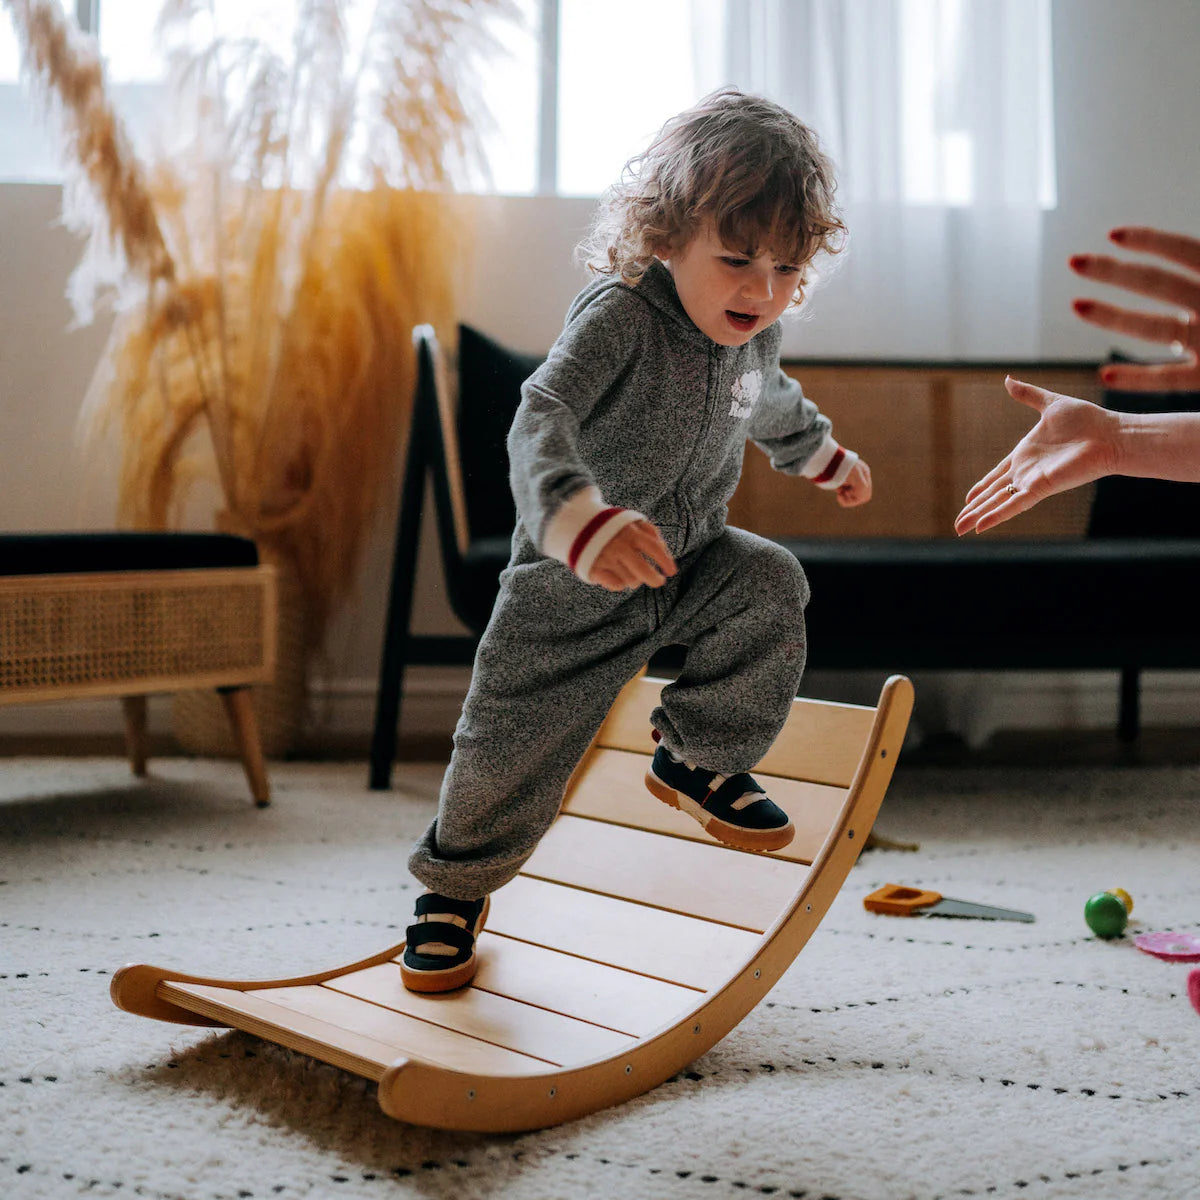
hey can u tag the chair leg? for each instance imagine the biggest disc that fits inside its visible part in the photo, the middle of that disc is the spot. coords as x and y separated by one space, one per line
1129 718
245 732
399 611
137 744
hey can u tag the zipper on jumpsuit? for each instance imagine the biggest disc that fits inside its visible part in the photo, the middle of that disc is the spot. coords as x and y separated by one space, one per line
714 378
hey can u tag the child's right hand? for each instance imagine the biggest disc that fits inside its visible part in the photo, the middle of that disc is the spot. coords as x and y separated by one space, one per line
635 556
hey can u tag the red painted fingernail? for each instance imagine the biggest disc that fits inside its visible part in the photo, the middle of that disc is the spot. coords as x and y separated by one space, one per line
1107 375
1077 262
1118 235
1083 307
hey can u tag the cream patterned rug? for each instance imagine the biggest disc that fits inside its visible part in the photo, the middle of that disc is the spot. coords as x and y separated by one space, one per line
897 1058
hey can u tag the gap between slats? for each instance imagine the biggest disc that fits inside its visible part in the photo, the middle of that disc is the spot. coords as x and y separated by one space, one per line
614 931
495 1020
693 879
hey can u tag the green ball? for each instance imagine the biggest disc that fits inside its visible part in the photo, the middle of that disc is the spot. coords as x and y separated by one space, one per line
1106 915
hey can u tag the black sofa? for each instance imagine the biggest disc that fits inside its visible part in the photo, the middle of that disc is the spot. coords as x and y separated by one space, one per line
1123 598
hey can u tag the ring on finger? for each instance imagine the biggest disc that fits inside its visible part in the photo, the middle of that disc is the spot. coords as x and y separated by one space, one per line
1011 489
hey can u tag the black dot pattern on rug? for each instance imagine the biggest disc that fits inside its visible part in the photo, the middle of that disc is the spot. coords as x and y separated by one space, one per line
806 1065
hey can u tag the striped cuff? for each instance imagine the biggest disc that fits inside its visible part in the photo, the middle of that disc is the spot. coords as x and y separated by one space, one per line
830 466
582 527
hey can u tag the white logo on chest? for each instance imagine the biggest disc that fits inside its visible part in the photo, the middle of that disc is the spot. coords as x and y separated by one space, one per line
745 391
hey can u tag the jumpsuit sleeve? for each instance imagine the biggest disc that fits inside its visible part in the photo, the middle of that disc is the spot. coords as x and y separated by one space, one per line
556 495
796 436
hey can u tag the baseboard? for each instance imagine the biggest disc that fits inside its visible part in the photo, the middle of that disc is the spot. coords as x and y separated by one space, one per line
974 705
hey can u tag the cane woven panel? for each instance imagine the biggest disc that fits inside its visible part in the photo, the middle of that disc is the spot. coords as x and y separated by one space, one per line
131 632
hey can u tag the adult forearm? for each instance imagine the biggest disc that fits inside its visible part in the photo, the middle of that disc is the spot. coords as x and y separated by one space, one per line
1159 446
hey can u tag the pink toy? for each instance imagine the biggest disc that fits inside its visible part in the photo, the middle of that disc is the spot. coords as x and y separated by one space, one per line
1174 947
1194 989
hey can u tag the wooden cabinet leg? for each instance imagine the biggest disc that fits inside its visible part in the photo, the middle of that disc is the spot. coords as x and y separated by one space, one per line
137 744
245 734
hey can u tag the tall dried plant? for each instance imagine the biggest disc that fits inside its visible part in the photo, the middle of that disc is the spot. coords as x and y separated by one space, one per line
266 270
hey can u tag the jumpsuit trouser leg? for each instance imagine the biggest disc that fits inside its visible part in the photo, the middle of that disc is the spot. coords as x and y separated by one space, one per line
550 664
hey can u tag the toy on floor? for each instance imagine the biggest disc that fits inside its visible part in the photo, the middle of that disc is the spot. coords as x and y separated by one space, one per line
900 900
1107 913
1194 989
1172 947
629 944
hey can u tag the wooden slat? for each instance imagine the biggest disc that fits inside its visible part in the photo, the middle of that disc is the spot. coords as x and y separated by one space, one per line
499 1020
576 987
661 945
821 742
355 1050
609 787
407 1034
700 880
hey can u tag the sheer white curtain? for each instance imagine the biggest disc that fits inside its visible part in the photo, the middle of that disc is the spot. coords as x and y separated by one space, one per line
939 116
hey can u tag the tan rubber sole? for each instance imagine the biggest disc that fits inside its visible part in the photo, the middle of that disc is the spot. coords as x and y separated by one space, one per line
451 978
761 841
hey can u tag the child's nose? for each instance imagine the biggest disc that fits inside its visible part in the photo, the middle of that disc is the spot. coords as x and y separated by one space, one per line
758 286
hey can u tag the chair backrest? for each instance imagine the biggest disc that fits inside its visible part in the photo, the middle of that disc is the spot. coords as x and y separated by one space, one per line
464 431
489 389
1125 507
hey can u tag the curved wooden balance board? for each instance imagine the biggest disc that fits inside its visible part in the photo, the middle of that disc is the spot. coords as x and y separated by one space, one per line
628 946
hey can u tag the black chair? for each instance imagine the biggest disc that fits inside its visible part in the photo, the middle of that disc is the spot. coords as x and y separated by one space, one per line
460 442
1122 599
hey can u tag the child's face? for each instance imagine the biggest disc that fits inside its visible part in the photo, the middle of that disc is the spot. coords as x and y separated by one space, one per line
729 296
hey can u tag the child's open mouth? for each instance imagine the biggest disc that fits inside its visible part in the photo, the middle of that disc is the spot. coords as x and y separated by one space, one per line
743 322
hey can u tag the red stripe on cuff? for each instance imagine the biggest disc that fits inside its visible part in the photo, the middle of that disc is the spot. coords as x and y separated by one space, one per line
586 534
831 468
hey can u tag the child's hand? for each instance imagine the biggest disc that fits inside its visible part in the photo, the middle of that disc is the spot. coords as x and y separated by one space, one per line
635 556
857 488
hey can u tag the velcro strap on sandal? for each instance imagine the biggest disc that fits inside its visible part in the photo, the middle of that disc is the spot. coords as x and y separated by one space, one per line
425 933
732 790
438 905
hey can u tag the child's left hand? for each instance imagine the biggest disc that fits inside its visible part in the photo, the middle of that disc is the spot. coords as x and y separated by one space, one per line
857 488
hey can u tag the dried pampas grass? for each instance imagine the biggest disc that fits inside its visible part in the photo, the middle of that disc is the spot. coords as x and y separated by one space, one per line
266 274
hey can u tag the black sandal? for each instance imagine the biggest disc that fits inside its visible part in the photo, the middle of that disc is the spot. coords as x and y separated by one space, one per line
734 810
438 923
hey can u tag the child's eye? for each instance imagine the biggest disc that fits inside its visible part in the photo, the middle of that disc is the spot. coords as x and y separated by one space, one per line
787 269
731 260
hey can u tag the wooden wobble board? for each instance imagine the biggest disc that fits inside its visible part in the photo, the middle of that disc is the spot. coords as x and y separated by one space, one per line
628 946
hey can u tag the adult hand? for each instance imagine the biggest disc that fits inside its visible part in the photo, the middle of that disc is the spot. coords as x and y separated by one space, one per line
635 556
857 488
1073 443
1179 288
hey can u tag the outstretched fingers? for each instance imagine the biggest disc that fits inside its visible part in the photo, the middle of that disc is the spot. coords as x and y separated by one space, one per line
1151 377
1150 327
1144 279
999 506
998 472
1177 247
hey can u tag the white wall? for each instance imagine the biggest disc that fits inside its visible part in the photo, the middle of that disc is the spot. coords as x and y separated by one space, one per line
1127 114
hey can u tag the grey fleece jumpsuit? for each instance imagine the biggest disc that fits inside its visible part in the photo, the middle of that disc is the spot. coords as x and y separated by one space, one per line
637 408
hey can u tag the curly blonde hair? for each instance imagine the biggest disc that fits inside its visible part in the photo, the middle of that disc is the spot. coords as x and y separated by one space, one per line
741 161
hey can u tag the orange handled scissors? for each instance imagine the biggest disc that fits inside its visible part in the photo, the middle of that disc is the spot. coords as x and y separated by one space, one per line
897 900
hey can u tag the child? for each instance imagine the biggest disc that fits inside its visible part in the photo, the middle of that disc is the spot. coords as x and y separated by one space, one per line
624 451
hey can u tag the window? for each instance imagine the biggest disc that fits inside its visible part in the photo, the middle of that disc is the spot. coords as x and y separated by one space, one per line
572 94
25 152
